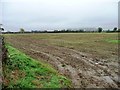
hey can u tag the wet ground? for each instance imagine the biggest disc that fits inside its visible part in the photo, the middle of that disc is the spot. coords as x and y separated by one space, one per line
84 69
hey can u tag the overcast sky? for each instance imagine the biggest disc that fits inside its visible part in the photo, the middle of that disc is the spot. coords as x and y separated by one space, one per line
58 14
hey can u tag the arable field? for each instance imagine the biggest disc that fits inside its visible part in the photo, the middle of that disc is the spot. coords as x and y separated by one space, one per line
90 60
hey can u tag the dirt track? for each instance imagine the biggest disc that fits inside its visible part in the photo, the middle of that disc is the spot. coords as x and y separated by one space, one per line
85 70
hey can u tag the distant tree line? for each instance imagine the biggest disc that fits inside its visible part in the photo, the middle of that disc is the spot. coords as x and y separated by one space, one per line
65 31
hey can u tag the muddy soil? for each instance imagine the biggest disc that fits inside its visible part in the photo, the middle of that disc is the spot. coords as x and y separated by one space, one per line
85 70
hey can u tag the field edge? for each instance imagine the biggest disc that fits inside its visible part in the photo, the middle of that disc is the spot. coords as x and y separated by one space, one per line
22 71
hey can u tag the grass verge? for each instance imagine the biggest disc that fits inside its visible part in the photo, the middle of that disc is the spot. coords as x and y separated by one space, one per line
21 71
114 41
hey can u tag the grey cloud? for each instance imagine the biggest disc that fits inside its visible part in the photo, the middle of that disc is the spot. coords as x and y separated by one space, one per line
52 14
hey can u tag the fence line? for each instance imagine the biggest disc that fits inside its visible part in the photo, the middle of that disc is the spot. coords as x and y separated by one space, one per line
1 75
